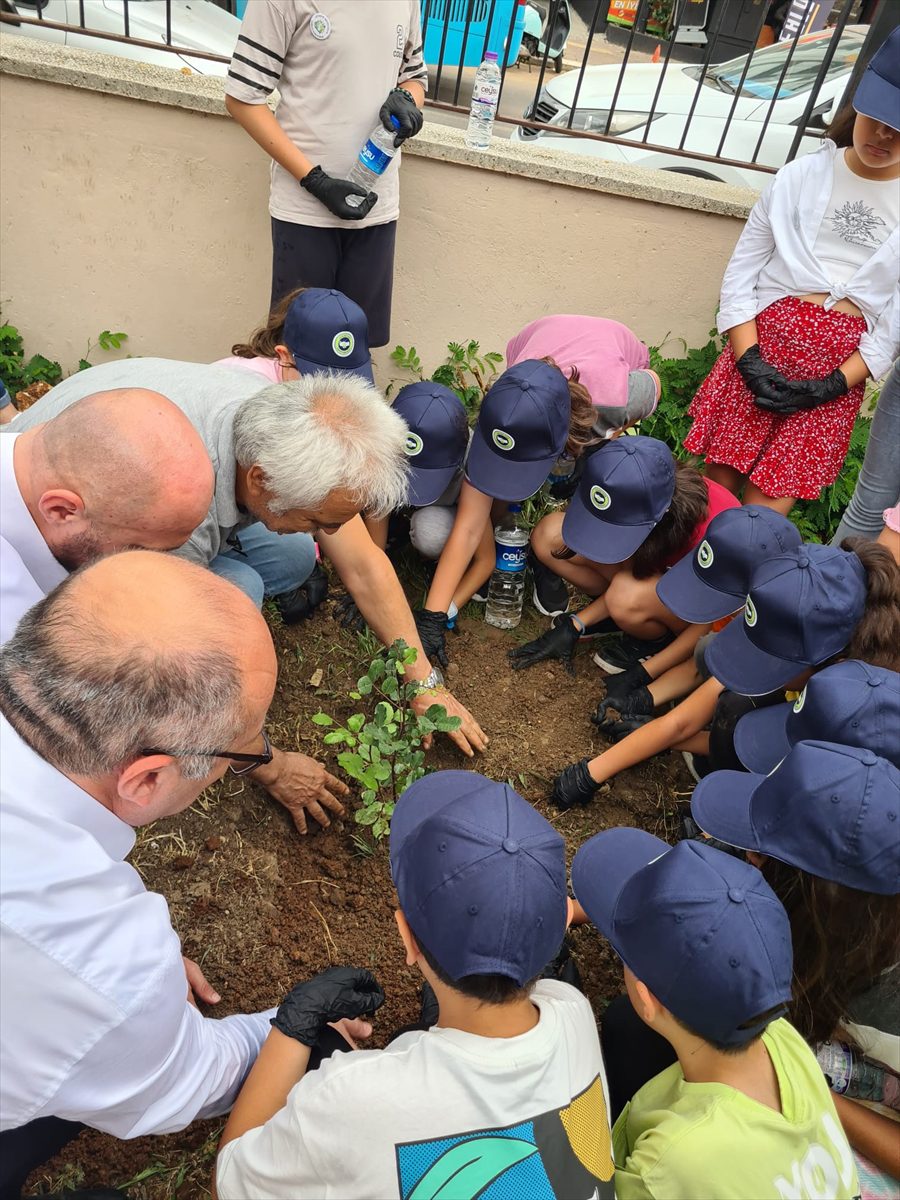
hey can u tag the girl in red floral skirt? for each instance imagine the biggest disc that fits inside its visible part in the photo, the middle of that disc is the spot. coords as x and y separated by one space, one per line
811 307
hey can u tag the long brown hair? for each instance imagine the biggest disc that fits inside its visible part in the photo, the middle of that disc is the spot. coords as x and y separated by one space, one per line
263 341
581 421
876 638
840 131
663 543
843 940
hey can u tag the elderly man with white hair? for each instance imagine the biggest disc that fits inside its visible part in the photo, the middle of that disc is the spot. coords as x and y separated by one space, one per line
292 459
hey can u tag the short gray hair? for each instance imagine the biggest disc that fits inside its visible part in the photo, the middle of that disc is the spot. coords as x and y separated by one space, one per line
321 433
89 704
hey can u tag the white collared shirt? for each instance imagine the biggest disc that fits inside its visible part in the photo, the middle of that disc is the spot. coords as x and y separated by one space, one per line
94 1020
28 570
775 257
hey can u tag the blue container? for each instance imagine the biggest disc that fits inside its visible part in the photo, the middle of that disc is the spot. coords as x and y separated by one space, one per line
454 15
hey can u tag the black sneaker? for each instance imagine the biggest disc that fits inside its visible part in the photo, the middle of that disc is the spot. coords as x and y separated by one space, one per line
301 602
616 657
481 596
550 595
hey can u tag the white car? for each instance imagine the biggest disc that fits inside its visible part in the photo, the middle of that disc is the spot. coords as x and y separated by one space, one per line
195 25
763 90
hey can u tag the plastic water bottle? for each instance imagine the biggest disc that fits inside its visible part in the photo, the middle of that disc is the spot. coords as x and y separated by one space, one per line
485 98
507 589
373 160
852 1074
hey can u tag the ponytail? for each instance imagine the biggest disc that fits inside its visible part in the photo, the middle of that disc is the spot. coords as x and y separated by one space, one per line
876 639
262 343
583 415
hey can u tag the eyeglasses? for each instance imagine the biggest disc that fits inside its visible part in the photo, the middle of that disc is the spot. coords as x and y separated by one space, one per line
254 760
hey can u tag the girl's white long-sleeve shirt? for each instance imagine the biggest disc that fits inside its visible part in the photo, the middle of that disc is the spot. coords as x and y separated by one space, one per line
775 257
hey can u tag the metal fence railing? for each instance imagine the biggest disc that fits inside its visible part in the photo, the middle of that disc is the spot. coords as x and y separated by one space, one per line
705 111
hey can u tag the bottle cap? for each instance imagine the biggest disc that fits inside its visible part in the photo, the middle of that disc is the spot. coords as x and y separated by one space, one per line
515 508
490 56
395 122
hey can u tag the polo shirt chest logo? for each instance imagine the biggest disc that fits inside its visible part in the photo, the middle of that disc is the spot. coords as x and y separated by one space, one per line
320 26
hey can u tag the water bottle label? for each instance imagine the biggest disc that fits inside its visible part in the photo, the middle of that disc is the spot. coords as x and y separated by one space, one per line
374 158
486 92
511 558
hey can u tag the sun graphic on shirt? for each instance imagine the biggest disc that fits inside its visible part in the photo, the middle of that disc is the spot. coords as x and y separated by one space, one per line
858 224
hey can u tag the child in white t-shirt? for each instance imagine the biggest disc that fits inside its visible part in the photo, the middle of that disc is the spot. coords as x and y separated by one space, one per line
505 1096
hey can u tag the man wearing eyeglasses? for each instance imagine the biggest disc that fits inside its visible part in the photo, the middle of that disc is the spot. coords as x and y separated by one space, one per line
124 693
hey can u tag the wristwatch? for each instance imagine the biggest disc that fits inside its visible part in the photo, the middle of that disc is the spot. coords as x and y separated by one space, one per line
434 680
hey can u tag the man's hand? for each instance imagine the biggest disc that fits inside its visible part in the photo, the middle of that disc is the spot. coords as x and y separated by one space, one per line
198 986
761 378
303 786
337 993
469 736
333 194
432 629
559 642
807 393
400 104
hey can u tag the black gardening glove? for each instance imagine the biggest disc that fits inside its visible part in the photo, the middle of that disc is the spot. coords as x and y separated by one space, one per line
761 378
808 393
573 787
636 704
628 681
401 105
432 627
337 993
333 194
346 612
559 642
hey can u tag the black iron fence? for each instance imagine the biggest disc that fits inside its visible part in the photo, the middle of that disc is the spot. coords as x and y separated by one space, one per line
580 69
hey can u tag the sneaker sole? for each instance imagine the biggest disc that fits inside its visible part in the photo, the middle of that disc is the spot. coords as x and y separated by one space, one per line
556 612
478 598
608 667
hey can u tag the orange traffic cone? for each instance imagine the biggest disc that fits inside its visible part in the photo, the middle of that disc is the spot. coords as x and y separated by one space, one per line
656 53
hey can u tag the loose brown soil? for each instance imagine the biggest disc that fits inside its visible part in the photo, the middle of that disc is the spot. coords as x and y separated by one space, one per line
259 906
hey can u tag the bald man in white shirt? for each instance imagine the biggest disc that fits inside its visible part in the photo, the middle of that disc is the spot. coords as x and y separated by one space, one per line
123 694
118 469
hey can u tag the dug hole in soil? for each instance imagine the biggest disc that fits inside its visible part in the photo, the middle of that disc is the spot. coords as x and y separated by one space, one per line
260 907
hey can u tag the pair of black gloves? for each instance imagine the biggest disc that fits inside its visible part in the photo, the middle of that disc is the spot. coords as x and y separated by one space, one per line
776 394
333 193
626 706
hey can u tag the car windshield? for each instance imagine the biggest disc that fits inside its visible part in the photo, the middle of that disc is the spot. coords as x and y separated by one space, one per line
766 66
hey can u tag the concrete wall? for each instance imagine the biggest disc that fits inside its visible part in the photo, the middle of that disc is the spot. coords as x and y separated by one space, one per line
129 201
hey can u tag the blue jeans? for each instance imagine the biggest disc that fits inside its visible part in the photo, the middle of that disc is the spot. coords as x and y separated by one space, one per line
878 486
267 564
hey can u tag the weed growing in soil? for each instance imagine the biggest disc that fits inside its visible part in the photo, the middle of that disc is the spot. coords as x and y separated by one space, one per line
384 749
467 370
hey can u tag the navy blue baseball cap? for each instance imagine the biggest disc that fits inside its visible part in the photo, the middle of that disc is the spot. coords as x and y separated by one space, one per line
713 581
833 811
701 928
325 331
480 875
878 93
522 430
850 702
437 439
801 609
625 491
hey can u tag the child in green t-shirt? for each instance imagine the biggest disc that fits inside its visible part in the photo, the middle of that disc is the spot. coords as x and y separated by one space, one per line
745 1113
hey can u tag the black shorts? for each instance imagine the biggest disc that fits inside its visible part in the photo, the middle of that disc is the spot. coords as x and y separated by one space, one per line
358 262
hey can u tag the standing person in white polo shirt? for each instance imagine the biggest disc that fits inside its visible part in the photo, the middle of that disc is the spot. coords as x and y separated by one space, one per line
340 67
116 470
124 693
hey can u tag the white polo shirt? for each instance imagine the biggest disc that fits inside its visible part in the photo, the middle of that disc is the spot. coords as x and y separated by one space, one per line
94 1020
28 571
